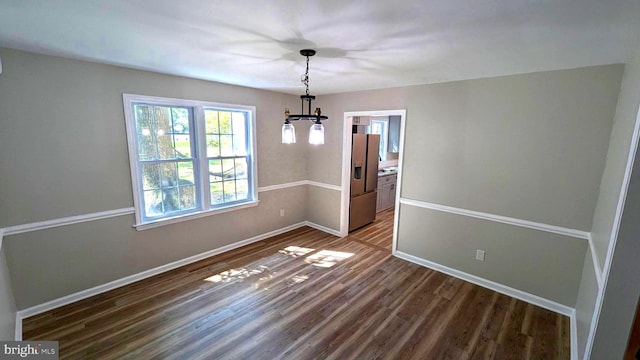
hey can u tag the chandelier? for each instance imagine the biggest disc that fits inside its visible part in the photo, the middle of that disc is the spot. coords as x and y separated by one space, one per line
316 132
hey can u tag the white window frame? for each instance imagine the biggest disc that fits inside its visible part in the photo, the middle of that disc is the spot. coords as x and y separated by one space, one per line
201 178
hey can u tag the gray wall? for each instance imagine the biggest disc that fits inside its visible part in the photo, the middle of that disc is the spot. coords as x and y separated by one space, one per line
64 153
529 146
620 142
324 207
7 303
513 254
622 287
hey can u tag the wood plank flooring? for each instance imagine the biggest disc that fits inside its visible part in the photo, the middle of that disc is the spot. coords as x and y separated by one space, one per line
304 295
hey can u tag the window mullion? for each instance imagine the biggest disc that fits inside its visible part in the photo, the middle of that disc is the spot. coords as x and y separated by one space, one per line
201 151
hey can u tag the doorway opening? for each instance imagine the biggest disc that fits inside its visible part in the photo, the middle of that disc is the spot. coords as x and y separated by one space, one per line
389 125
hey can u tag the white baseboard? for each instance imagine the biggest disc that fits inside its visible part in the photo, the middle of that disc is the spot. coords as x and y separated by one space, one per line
503 289
323 228
38 309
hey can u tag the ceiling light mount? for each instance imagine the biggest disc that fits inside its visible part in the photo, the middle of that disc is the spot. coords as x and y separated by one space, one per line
307 52
316 132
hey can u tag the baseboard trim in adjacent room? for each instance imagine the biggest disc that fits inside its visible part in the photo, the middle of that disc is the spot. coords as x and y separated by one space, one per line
503 289
71 298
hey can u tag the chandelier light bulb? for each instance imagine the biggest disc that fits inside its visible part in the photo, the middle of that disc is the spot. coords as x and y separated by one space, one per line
316 134
288 133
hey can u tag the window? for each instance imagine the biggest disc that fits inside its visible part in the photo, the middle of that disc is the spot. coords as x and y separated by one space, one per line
379 126
189 158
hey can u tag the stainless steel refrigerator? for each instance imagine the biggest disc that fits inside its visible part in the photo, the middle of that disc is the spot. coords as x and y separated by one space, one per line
364 179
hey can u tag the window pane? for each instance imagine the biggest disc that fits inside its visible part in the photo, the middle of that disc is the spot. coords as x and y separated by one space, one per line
163 132
229 191
216 193
185 173
225 122
239 134
241 168
171 200
187 197
165 145
213 145
147 147
169 174
211 121
182 146
242 189
215 170
226 145
150 176
144 117
153 203
228 169
180 120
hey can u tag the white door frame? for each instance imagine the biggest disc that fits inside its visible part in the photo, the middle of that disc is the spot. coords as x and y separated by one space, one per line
346 166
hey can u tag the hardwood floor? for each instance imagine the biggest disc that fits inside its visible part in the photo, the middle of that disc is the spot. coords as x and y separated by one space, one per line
304 295
633 347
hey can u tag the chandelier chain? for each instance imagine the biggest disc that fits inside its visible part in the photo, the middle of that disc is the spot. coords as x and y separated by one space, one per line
306 77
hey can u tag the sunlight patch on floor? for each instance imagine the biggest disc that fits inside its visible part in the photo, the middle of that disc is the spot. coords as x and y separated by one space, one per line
299 278
239 274
327 258
295 251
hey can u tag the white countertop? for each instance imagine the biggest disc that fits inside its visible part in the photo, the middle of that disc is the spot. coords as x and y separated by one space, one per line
387 173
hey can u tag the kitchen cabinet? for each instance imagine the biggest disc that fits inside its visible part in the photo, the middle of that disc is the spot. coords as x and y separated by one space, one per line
386 198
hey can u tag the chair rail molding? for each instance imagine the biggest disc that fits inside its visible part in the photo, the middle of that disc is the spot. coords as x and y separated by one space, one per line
76 219
499 218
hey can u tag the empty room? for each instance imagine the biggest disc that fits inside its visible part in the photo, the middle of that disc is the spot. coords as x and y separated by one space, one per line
320 179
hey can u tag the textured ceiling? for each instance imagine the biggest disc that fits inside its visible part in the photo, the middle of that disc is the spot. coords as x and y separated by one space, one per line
360 44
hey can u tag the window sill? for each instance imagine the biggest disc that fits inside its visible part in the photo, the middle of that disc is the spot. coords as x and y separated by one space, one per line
201 214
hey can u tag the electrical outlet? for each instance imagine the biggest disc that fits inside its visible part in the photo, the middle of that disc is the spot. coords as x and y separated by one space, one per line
480 255
281 212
